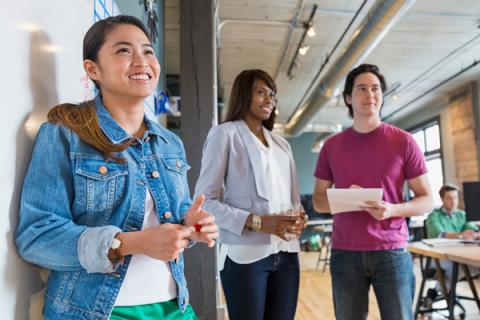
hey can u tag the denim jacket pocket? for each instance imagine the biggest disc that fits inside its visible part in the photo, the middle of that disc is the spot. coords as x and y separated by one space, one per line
176 169
99 184
176 165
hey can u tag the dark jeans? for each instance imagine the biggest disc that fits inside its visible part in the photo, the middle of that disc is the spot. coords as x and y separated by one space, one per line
263 290
390 272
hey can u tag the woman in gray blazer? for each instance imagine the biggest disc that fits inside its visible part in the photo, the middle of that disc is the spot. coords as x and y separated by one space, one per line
249 179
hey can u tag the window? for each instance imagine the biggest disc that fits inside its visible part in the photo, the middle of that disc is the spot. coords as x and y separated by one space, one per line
427 136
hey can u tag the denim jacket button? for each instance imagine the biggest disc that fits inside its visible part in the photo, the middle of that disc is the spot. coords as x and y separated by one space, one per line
167 215
103 170
155 174
178 163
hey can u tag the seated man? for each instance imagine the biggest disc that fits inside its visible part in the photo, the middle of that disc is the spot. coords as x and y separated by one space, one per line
449 222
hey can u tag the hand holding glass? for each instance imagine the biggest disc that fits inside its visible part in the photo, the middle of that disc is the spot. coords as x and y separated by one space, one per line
295 210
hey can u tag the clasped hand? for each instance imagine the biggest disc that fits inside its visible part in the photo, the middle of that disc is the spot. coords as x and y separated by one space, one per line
204 222
282 225
174 238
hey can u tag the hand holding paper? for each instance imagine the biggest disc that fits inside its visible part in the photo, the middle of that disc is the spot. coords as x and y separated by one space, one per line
352 199
380 210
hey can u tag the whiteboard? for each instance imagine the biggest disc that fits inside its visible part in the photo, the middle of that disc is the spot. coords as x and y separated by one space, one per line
41 52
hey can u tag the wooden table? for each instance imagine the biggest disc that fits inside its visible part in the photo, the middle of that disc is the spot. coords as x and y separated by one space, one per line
467 254
462 255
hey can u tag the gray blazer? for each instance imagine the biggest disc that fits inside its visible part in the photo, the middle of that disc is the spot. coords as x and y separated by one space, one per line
233 184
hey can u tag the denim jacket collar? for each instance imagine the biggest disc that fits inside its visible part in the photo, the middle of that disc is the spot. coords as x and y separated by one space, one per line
112 129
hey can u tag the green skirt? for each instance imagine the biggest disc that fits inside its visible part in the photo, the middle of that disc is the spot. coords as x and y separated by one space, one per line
165 310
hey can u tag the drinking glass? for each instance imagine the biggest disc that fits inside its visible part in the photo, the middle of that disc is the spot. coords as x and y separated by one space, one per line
293 209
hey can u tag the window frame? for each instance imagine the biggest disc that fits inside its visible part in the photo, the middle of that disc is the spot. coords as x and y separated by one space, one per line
433 154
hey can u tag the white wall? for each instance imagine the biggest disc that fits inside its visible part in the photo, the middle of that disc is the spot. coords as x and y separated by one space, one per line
41 51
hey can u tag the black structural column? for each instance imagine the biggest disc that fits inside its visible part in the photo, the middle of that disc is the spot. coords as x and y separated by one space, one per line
198 105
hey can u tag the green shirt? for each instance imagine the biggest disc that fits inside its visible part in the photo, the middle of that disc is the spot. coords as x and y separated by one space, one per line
439 221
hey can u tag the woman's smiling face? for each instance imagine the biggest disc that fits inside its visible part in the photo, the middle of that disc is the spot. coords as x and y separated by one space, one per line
262 102
126 65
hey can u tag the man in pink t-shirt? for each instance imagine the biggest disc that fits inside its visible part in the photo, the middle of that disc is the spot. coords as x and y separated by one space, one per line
368 247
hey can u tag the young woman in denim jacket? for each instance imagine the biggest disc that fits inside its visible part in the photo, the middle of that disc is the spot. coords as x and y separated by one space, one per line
105 203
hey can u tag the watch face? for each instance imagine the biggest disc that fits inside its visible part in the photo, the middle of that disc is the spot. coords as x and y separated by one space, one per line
116 243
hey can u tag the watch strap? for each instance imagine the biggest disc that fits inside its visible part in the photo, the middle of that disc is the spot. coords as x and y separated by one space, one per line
114 251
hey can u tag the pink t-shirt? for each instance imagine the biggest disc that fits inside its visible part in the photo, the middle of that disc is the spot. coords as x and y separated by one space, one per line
384 158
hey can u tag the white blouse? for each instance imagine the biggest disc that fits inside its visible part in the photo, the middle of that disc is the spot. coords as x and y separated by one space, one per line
276 164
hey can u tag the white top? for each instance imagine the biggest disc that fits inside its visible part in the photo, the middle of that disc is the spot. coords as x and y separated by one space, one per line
147 280
276 163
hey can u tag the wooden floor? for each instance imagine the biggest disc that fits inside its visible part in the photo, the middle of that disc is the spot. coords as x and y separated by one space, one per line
315 297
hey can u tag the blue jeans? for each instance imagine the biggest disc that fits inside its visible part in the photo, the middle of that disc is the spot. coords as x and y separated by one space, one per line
263 290
390 272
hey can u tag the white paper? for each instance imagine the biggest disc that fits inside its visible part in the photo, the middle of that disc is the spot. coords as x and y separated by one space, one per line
346 200
442 242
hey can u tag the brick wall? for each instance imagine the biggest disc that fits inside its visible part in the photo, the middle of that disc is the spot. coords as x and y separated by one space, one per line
462 121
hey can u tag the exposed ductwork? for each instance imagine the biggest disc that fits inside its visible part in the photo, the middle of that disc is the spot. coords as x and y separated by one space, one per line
383 15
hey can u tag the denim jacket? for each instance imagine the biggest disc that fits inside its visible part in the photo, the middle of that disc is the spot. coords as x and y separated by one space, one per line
74 201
